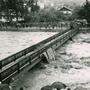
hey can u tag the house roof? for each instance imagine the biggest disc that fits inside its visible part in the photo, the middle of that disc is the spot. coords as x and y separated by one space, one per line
65 9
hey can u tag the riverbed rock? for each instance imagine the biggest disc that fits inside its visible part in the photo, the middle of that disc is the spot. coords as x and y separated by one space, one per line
80 88
47 87
76 65
21 88
4 87
72 71
62 52
41 65
86 40
58 85
55 66
66 66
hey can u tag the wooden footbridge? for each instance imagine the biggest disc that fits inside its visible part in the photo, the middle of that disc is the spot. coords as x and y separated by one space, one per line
20 62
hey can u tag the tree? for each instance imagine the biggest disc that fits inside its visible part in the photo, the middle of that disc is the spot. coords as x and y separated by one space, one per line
33 13
75 13
84 12
2 8
13 8
48 15
30 3
33 5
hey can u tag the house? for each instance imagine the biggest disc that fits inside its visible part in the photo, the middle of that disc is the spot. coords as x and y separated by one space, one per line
65 10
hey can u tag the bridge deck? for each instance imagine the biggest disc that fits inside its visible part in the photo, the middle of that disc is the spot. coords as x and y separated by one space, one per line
15 64
14 42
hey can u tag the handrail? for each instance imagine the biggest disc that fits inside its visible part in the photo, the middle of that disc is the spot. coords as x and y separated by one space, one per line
17 62
28 59
13 57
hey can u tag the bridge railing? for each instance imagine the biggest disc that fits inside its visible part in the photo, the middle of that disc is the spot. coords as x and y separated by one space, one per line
17 55
15 63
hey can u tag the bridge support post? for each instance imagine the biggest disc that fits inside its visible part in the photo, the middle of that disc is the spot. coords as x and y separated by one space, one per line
44 57
0 71
0 78
18 68
50 54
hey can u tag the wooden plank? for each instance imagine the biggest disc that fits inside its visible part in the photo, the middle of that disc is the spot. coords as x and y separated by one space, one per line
27 50
31 58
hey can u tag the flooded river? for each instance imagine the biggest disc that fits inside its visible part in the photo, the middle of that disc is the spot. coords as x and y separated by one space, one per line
72 67
12 42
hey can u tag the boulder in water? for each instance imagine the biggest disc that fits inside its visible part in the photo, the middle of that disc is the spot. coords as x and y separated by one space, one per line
58 85
21 88
76 65
4 87
66 66
47 88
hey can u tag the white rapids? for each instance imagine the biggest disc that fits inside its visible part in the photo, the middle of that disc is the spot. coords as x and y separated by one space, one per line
73 67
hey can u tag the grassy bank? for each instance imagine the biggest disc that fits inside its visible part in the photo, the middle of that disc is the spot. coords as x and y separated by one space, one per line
33 29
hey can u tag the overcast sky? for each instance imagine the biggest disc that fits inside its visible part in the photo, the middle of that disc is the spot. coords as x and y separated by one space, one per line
54 2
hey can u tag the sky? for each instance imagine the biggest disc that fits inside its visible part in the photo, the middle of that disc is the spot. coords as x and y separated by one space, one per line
60 2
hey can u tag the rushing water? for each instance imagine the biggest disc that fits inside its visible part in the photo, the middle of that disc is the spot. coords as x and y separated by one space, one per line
12 42
73 67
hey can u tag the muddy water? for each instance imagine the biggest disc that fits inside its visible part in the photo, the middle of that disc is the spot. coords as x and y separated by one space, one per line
12 42
72 67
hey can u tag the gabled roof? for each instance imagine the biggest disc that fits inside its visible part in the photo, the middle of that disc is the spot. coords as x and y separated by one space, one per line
65 9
